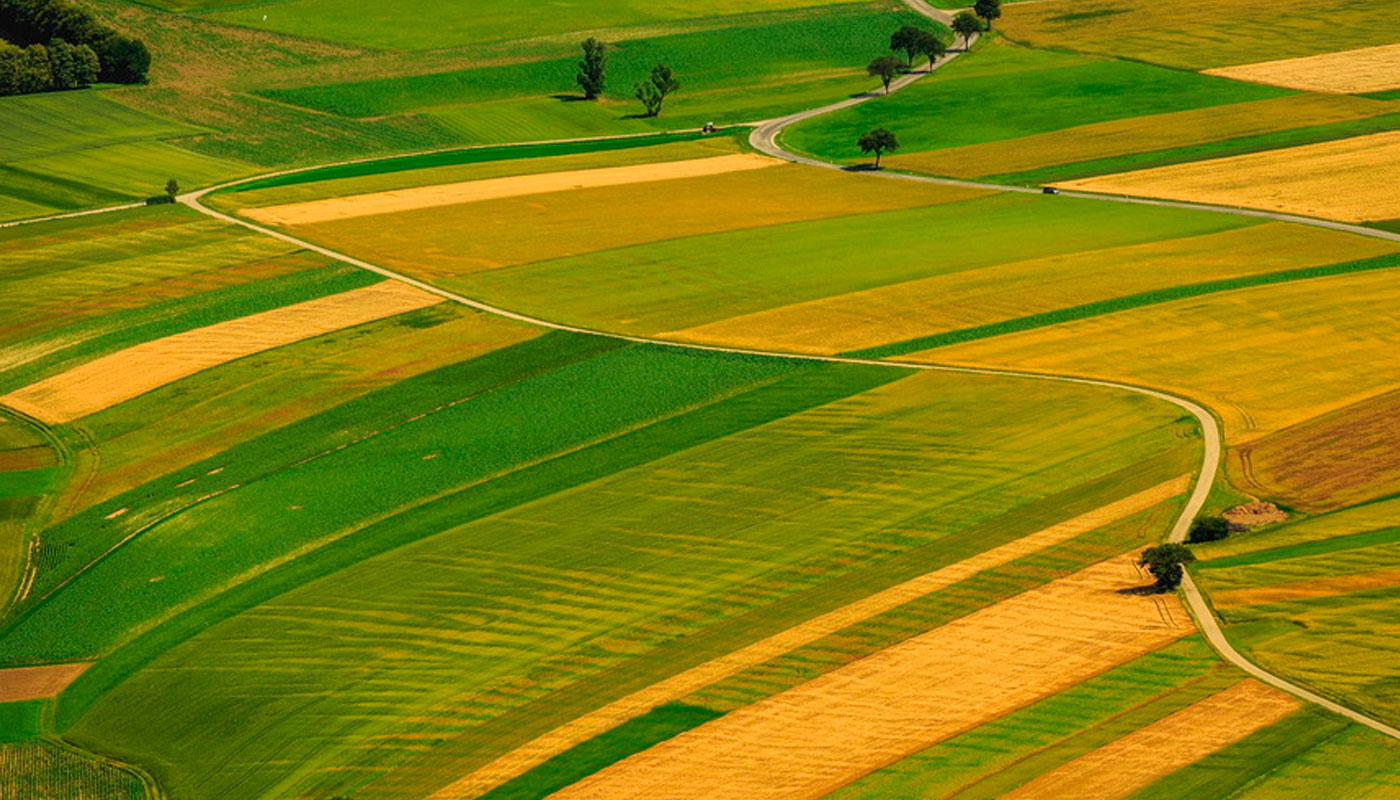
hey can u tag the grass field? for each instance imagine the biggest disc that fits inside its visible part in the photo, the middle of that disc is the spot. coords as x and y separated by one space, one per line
797 536
1184 34
1008 92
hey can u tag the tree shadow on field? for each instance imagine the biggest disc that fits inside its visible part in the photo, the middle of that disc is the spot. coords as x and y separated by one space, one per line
861 168
1149 590
569 98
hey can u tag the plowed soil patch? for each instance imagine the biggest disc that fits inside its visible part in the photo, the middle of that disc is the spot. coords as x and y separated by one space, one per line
590 725
814 738
34 683
1122 767
1309 589
1352 180
1368 69
112 379
365 205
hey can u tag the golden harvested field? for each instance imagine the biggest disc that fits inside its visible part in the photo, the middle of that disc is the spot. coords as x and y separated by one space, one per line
1311 348
823 734
446 242
678 686
1352 180
34 683
1309 589
1122 767
107 381
1192 33
1342 458
422 197
1368 69
1007 291
1142 135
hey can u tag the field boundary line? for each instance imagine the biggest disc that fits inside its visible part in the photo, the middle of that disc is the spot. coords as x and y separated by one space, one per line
71 214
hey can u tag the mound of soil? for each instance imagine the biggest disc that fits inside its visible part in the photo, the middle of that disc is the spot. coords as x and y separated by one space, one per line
1254 515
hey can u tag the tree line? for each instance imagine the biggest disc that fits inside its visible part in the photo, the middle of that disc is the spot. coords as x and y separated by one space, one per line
52 44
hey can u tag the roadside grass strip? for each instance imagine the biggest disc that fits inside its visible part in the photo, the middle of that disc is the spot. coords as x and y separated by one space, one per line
1351 180
1120 768
832 730
1148 133
35 683
121 376
1368 69
1313 348
1335 460
425 197
696 678
446 243
1002 298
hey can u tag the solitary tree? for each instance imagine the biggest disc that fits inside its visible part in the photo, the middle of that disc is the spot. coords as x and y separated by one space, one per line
171 189
652 92
988 10
1208 529
1167 563
966 24
885 68
592 69
878 141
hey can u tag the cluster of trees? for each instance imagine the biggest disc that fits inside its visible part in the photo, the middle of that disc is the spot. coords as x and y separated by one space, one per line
58 45
592 78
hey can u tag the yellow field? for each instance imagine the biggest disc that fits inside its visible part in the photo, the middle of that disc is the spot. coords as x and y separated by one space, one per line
823 734
438 243
1122 767
1263 358
107 381
1141 135
422 197
34 683
678 686
976 297
1192 33
1309 589
1369 69
1352 180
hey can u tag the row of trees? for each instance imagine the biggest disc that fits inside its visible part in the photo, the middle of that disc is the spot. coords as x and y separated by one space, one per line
36 68
55 45
592 78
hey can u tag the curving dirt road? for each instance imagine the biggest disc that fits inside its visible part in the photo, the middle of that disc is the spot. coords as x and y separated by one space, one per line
765 137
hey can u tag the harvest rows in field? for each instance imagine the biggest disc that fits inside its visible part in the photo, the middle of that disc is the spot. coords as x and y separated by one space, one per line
1350 180
399 200
113 379
678 686
835 728
1369 69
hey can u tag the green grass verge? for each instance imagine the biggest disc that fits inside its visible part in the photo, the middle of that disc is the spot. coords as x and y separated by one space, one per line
1120 304
580 761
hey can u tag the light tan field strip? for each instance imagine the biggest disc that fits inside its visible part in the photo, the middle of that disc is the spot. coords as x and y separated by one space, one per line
827 732
675 687
1369 69
118 377
1309 589
1121 767
1350 180
366 205
36 683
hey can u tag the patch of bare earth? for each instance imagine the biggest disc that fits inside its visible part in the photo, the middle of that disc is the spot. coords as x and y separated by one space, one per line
36 683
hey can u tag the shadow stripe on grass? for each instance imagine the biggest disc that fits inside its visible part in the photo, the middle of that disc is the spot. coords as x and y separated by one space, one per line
1155 297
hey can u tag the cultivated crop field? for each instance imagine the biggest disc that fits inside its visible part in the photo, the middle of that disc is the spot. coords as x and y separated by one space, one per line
417 411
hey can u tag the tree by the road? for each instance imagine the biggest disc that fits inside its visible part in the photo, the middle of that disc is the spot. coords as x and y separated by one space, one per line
592 70
885 68
172 188
988 11
913 41
653 91
967 25
1208 529
879 142
933 48
1167 563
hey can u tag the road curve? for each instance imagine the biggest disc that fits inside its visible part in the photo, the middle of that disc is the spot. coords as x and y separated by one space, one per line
765 138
